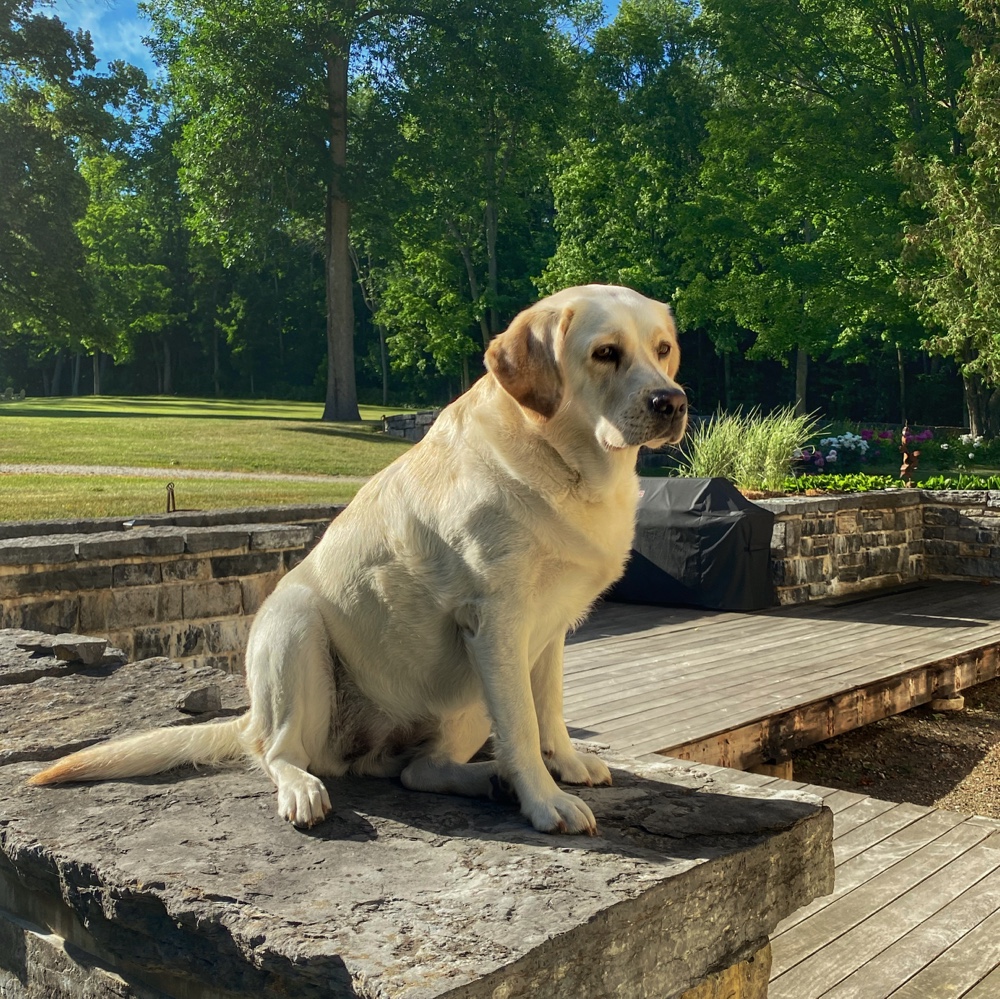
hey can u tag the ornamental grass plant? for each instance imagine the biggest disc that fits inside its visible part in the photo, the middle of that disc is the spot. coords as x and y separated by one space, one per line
754 451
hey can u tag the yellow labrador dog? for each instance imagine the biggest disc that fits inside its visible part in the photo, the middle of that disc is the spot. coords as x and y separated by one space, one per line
434 610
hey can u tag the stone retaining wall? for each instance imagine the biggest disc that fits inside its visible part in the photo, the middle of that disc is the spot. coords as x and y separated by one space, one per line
409 426
187 585
184 591
839 545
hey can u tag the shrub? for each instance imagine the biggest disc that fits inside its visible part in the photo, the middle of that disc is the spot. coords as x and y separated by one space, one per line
755 452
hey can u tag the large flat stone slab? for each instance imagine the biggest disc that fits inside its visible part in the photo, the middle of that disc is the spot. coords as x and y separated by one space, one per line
189 884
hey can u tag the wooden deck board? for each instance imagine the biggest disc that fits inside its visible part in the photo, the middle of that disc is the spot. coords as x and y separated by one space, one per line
916 909
681 677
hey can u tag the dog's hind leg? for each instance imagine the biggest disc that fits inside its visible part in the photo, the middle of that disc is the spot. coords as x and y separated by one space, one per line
290 676
445 769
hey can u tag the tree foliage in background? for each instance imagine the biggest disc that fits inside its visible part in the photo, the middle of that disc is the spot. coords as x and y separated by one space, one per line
799 215
956 252
398 180
632 150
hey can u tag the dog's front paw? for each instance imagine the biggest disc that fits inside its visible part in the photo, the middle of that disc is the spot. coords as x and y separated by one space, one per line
564 813
303 800
572 767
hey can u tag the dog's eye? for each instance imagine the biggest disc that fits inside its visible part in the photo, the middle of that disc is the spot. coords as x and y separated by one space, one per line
608 352
663 350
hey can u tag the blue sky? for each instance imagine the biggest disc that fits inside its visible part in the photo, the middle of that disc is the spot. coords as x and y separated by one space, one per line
114 25
117 28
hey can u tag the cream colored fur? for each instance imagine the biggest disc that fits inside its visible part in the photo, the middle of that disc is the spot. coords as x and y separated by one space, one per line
433 612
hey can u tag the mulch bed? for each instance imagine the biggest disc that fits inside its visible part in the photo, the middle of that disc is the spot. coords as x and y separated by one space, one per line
948 760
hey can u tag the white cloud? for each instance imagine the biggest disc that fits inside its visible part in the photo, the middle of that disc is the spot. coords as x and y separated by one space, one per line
115 27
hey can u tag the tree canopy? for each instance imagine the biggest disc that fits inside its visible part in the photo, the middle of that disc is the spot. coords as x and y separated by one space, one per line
318 199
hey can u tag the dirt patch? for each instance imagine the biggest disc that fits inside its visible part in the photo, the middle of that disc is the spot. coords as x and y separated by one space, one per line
949 760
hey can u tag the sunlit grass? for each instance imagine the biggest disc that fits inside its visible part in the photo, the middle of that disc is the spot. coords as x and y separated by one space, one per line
51 497
168 432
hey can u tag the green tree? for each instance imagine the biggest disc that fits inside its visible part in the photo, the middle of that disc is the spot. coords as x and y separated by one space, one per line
473 105
955 254
42 64
122 235
631 157
799 219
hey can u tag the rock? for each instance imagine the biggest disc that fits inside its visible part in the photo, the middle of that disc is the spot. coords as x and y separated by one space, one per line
197 702
189 883
20 664
56 714
69 648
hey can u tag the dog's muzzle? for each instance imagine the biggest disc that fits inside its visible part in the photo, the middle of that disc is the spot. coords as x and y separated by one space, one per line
669 408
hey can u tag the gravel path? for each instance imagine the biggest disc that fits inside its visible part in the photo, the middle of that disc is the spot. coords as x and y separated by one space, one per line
171 473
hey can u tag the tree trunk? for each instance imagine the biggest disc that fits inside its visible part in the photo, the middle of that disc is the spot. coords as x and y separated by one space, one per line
974 400
465 374
77 361
215 362
57 371
902 384
801 376
383 358
97 372
341 388
168 372
492 267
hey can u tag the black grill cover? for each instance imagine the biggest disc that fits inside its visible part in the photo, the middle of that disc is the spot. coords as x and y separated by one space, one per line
699 543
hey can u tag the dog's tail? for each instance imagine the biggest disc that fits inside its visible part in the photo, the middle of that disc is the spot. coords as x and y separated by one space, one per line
151 752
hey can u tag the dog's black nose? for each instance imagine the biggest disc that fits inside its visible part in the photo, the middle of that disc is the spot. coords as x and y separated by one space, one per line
668 402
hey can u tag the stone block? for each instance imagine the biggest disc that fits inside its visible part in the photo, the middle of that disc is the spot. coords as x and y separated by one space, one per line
137 574
84 707
209 539
190 639
191 884
228 636
245 565
215 598
143 605
154 640
38 964
124 544
256 589
37 551
69 648
49 616
67 579
21 665
94 611
186 569
279 537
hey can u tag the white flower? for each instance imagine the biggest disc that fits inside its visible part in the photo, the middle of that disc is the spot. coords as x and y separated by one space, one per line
972 454
944 447
832 456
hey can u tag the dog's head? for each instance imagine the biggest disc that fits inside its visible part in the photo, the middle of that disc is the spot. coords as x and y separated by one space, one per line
604 355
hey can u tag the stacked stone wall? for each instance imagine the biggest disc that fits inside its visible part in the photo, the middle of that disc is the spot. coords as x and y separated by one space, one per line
409 426
188 592
836 546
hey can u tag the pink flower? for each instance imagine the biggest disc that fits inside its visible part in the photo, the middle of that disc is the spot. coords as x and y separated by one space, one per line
885 435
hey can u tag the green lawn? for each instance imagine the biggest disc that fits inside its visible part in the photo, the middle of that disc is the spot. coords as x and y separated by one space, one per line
54 497
230 435
164 432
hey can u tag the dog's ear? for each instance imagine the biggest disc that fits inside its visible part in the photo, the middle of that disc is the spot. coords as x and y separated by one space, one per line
523 359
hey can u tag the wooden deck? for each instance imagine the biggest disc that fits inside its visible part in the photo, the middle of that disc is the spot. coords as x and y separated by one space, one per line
916 909
741 689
